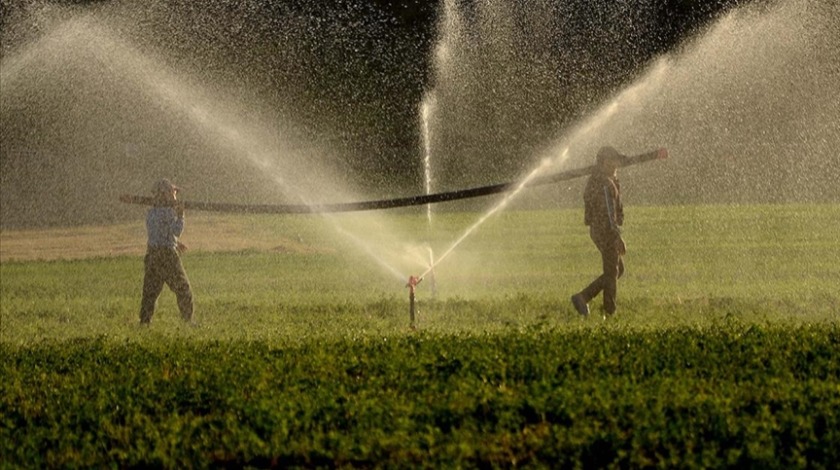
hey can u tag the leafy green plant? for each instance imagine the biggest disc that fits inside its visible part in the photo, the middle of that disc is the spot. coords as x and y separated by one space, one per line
724 352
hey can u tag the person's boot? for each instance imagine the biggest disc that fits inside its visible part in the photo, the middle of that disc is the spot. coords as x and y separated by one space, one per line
580 305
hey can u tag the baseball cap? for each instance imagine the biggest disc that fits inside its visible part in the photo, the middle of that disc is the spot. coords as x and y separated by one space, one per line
608 154
163 186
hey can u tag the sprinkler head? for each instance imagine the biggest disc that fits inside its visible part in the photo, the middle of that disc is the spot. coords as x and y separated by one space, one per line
413 281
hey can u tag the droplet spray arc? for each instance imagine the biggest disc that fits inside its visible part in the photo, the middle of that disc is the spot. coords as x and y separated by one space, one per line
426 109
531 179
413 281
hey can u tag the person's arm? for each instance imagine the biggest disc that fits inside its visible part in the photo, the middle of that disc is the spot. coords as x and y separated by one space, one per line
611 210
612 214
178 222
178 226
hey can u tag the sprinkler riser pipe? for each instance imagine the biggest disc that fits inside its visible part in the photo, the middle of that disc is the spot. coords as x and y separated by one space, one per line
411 308
412 284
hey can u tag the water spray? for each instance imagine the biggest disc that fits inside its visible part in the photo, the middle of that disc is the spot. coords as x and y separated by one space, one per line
514 188
425 116
431 273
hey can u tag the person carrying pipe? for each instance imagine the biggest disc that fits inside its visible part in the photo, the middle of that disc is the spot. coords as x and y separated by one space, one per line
604 214
164 225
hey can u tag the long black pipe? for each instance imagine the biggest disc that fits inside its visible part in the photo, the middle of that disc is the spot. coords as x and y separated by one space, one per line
391 203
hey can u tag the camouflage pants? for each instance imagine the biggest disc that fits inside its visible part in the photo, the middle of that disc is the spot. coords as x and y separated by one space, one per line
612 269
163 266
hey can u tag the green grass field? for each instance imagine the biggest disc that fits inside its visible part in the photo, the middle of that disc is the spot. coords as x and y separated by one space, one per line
725 349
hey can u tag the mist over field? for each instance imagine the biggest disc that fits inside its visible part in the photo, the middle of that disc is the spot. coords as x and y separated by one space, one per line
312 342
292 102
